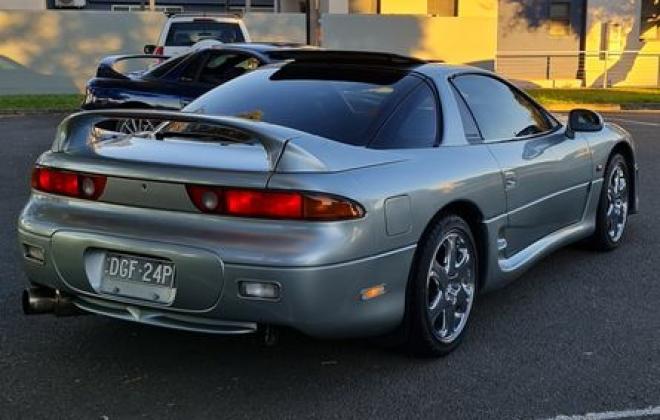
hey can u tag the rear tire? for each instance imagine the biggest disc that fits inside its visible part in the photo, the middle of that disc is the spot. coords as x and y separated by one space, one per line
442 289
613 206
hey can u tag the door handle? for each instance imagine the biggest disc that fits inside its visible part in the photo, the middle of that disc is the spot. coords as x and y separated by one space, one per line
510 180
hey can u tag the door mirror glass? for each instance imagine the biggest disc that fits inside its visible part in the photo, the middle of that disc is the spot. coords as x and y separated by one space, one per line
149 49
584 120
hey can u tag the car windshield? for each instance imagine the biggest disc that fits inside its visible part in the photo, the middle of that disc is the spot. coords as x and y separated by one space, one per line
339 103
163 68
186 34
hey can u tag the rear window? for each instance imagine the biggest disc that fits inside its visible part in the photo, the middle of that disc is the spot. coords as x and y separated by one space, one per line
343 104
165 67
186 34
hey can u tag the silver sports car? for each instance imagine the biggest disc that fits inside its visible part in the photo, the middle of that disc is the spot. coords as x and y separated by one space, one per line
338 193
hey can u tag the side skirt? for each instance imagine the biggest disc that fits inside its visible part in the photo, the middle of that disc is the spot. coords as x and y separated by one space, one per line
501 270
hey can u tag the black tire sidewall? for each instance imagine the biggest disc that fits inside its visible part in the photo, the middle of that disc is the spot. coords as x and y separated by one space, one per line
602 239
421 340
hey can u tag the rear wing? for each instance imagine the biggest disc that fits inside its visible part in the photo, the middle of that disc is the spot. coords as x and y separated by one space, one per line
106 66
80 131
287 150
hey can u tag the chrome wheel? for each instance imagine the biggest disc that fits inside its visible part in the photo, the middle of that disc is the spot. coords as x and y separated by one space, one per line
451 286
132 126
617 202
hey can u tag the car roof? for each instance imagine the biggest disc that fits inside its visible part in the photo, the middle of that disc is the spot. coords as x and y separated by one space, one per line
201 16
431 68
263 46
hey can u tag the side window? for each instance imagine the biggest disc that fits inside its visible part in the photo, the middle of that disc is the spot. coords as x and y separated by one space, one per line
501 112
472 134
414 123
223 67
191 68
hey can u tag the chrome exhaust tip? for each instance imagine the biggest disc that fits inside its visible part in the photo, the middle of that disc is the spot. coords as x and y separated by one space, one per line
42 300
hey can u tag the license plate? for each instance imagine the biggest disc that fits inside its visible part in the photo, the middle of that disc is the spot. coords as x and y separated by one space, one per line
138 277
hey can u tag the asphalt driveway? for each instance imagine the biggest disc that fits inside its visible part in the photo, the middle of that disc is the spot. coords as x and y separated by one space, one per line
578 333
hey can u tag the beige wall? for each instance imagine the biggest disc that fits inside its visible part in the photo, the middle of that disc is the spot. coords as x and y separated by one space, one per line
630 61
454 40
413 7
23 4
478 8
58 51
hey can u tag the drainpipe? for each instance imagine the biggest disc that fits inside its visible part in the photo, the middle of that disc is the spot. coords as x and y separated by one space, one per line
581 73
313 17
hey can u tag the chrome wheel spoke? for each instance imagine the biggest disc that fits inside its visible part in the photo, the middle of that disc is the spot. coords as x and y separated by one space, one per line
617 203
450 255
132 126
450 286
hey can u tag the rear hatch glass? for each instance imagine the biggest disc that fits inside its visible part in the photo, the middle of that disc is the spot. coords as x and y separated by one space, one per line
340 103
186 34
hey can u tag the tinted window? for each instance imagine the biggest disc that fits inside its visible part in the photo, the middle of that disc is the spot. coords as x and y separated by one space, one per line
190 69
340 103
165 67
472 133
501 112
414 123
185 34
222 67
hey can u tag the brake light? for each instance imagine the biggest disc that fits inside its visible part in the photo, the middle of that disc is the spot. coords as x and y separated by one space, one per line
159 50
268 204
71 184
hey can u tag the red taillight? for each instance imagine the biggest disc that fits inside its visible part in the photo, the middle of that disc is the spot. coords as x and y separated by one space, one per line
159 50
72 184
272 204
267 204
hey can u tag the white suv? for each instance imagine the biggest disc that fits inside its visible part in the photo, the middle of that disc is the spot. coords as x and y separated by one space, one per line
182 31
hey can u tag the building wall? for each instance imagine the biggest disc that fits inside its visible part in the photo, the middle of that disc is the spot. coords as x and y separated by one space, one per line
452 39
478 8
524 28
54 51
412 7
22 4
189 5
615 26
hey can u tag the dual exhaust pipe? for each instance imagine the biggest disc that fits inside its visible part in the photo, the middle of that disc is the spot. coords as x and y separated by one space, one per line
43 300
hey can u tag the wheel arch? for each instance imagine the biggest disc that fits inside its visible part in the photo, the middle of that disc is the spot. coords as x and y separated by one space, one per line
473 216
624 149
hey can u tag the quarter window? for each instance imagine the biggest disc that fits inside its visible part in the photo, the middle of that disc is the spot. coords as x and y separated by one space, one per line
413 125
501 111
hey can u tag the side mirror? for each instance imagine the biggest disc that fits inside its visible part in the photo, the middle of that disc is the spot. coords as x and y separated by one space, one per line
149 49
583 120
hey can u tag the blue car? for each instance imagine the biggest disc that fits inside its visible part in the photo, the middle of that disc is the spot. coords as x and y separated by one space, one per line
176 81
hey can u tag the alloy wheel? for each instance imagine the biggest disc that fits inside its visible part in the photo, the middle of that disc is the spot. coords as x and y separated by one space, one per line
451 286
617 202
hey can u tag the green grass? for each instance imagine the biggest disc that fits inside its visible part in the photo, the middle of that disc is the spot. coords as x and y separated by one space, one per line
40 102
18 103
595 96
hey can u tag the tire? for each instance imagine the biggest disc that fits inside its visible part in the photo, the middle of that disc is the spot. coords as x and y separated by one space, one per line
439 294
613 205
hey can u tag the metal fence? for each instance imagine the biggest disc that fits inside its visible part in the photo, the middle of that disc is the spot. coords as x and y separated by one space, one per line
587 68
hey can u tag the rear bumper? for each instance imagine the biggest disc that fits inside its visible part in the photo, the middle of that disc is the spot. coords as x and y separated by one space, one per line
322 301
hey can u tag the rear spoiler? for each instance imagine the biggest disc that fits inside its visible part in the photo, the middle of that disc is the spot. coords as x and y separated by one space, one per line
78 137
106 66
78 132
